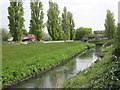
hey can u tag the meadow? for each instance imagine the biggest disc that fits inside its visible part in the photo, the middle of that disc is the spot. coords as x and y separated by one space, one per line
20 61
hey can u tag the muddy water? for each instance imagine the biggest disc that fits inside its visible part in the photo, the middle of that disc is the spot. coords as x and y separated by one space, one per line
56 77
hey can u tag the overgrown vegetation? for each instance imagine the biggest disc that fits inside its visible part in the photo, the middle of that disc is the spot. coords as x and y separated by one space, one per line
20 61
116 52
5 34
104 73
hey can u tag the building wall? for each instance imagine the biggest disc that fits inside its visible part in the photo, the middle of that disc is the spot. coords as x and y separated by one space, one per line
119 12
99 32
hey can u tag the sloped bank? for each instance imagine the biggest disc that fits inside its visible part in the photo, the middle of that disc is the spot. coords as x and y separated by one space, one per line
104 73
63 61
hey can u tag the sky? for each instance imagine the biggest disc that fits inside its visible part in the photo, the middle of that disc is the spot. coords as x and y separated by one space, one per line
86 13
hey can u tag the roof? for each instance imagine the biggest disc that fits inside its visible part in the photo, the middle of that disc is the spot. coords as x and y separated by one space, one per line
30 36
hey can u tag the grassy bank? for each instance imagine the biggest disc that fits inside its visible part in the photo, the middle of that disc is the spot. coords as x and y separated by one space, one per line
20 61
105 73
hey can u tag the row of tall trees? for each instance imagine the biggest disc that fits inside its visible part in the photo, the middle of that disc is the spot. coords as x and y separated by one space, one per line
59 28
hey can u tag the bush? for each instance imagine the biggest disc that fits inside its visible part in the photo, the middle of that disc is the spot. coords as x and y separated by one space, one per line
108 43
81 32
116 52
5 34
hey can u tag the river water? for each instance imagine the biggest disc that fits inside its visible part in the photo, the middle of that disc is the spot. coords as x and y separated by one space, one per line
56 77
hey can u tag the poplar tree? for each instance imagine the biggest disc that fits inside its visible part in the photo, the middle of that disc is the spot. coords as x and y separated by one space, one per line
65 24
110 25
71 25
54 21
36 22
117 36
16 20
116 50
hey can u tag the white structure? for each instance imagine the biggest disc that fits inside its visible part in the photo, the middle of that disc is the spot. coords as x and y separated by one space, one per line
119 12
10 39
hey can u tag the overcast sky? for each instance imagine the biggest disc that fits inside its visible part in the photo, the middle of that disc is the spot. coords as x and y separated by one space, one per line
86 13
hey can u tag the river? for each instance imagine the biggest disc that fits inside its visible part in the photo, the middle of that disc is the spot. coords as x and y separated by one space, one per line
56 77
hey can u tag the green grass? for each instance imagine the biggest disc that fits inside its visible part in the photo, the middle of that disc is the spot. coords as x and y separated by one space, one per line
20 61
102 74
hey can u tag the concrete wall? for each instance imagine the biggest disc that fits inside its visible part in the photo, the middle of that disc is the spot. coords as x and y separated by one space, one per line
119 12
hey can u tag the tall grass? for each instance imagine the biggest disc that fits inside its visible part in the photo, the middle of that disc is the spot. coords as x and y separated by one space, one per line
105 73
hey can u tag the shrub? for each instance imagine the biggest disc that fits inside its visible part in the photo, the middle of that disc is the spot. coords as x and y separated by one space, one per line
116 52
5 34
81 32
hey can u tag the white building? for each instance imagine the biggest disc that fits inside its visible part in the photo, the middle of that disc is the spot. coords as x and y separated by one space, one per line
119 12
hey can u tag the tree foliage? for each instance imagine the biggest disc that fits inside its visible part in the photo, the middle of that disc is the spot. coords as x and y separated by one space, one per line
5 34
54 21
110 25
71 25
81 32
117 36
36 22
58 28
116 52
16 20
65 24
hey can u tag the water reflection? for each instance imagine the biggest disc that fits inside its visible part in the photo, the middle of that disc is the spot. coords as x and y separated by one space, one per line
55 78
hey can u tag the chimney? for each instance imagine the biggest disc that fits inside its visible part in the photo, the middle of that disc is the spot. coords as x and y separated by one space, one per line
119 12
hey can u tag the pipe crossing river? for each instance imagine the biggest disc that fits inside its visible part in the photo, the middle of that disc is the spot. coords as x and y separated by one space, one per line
56 77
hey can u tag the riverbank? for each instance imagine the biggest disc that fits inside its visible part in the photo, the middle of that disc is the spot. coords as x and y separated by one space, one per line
104 73
25 61
55 78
